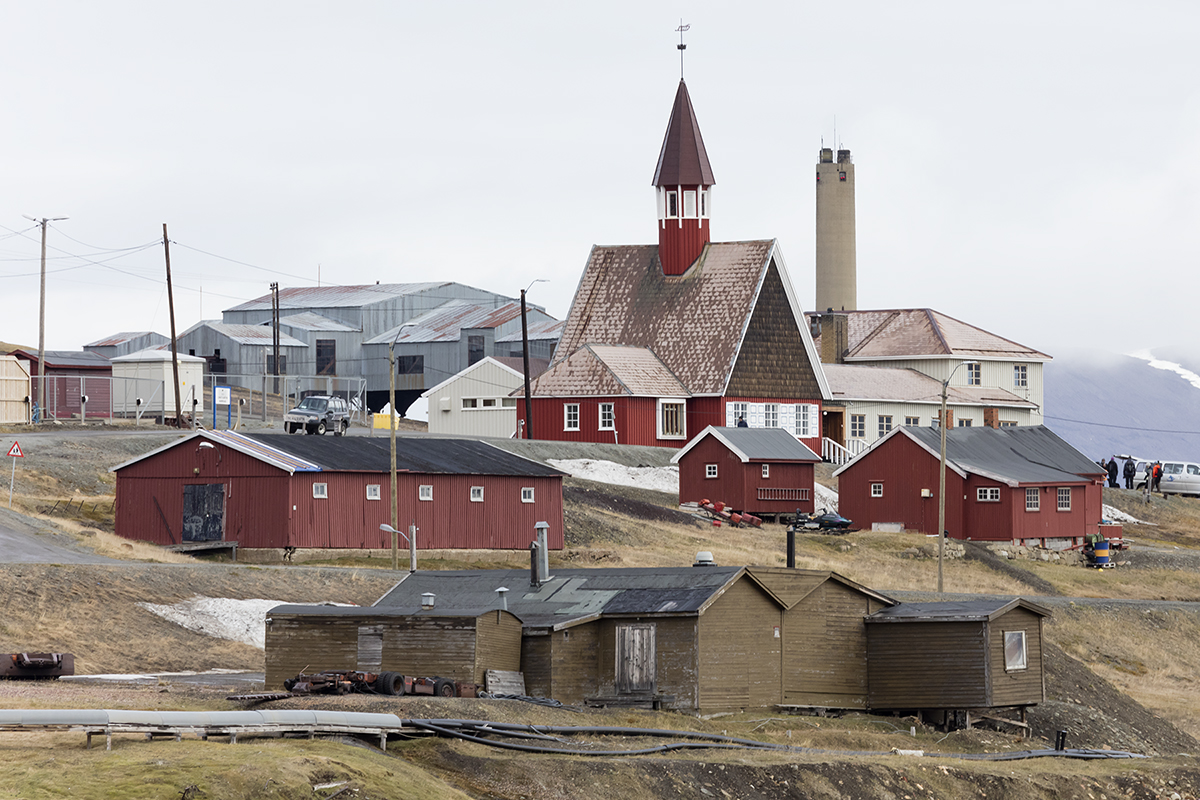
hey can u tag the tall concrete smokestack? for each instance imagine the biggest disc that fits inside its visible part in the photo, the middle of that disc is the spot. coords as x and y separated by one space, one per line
837 265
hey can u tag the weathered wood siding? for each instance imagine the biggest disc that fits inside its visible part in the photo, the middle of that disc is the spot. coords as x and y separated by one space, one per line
1018 687
740 653
928 664
298 643
675 663
536 664
761 370
825 648
573 662
497 643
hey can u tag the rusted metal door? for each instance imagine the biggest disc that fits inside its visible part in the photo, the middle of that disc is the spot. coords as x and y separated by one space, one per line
204 512
636 659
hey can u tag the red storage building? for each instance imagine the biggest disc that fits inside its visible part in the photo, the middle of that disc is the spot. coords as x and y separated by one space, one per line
280 491
760 470
1019 484
71 375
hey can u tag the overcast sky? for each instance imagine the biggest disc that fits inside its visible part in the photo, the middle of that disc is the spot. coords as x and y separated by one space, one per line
1030 168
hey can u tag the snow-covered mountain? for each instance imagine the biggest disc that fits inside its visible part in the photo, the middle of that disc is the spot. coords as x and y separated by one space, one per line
1145 404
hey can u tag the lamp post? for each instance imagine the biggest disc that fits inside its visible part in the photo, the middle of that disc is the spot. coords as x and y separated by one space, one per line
392 436
525 355
941 531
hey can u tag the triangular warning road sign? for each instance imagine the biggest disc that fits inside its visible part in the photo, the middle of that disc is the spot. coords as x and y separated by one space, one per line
15 450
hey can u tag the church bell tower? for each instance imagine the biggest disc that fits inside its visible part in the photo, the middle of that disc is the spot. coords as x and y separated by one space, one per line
683 181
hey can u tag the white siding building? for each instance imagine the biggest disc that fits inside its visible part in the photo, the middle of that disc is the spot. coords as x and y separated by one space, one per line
475 402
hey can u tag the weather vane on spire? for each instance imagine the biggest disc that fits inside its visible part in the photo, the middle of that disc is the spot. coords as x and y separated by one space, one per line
682 29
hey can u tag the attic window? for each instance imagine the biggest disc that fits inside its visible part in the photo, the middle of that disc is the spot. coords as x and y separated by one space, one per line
476 494
425 493
321 491
1014 650
710 470
372 491
876 490
526 494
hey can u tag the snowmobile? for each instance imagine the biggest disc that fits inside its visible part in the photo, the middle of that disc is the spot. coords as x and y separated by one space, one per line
824 520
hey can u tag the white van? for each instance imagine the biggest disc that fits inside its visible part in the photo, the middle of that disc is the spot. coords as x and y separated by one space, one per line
1178 477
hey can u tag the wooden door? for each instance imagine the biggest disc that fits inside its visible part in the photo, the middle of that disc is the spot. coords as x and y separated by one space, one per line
636 659
204 512
370 648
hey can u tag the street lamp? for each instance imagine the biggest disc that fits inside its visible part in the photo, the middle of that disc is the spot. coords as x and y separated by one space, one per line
392 431
412 546
941 531
525 355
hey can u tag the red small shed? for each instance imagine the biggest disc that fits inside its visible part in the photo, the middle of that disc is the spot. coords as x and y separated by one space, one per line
71 374
280 491
759 470
1022 484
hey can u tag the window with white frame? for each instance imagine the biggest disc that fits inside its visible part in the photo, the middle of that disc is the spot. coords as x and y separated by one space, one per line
858 426
508 402
974 374
710 470
470 402
1033 499
1014 650
705 203
770 415
1020 376
964 423
672 422
672 205
476 494
608 419
987 494
425 493
689 204
1064 498
321 491
526 494
766 471
912 422
806 420
1008 423
735 412
885 424
373 491
571 417
876 490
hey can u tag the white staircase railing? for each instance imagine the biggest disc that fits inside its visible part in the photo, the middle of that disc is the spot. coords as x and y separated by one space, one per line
835 453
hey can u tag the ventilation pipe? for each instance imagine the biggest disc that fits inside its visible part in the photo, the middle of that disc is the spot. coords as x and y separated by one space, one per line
791 549
543 552
427 601
534 560
503 592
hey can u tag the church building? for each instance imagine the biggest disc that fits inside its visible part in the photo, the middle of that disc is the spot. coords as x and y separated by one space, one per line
664 340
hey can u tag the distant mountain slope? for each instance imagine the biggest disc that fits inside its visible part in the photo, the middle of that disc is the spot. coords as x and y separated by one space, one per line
1147 404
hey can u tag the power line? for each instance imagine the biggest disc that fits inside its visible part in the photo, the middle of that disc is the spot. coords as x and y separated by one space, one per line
1123 427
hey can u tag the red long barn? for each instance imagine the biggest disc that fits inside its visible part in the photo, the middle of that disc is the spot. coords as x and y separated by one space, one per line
276 491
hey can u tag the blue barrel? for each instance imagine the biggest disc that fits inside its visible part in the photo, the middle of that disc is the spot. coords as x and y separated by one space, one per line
1101 550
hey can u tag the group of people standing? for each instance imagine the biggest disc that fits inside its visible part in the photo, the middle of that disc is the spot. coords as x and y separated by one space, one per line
1154 473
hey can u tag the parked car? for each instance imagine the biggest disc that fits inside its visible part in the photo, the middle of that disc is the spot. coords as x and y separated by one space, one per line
1179 477
317 414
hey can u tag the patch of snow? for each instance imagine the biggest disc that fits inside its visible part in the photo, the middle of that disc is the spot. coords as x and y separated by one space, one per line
824 498
1169 366
221 617
1117 515
660 479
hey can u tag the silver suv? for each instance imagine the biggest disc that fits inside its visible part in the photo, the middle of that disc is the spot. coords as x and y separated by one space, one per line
317 414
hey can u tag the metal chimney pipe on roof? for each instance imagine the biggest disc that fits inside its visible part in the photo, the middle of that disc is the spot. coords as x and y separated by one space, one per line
533 565
791 549
503 592
543 551
427 601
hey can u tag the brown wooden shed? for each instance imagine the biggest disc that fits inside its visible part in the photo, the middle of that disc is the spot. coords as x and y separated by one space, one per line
972 654
461 644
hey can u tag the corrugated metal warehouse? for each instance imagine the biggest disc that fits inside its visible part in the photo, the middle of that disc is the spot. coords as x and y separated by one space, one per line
279 491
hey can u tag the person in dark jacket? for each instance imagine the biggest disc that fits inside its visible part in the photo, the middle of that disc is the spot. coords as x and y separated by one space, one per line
1112 473
1130 471
741 423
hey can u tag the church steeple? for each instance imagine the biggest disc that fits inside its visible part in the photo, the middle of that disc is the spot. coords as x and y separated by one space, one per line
684 181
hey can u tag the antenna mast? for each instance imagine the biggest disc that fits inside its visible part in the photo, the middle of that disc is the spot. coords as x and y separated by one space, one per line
681 46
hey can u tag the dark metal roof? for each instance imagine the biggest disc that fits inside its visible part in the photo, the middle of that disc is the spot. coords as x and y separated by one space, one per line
67 358
413 454
756 444
1030 454
683 160
570 594
955 610
406 611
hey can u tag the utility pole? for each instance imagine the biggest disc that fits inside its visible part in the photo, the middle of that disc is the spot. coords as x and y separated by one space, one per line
174 341
275 333
42 321
525 356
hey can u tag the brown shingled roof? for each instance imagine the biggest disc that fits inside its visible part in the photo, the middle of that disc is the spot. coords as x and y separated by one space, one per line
696 323
896 384
606 370
916 332
683 160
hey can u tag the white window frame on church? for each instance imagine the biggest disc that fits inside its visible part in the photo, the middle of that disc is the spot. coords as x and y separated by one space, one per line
689 204
735 410
770 415
671 419
671 208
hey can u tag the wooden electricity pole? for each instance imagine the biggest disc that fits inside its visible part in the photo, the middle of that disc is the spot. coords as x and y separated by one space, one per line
174 342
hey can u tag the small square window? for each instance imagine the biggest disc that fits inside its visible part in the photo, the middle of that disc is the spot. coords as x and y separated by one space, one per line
710 470
321 490
373 491
425 493
1064 498
1033 499
1007 423
912 422
876 490
964 423
571 417
526 494
476 494
1014 650
766 471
